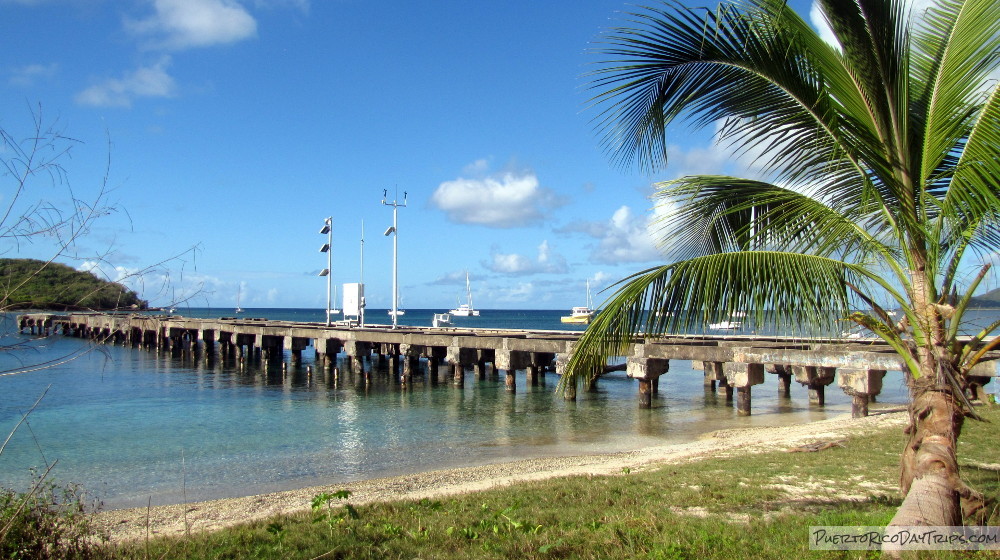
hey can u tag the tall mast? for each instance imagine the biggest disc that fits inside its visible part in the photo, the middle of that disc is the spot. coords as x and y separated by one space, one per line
395 238
361 304
468 289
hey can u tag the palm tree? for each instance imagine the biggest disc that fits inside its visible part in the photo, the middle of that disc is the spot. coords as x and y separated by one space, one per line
882 165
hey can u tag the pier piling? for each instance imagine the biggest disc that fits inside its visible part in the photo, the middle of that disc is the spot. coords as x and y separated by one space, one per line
729 362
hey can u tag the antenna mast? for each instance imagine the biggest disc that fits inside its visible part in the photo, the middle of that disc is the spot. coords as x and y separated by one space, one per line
395 237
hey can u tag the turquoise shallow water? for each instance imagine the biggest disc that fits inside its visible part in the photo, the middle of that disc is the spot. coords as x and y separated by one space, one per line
134 426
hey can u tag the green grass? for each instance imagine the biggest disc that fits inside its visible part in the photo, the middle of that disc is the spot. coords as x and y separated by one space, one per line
749 506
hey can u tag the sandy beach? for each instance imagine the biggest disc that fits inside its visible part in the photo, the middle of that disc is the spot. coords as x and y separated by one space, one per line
128 524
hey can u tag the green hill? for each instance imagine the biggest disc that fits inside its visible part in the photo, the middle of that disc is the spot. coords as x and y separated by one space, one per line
989 299
57 286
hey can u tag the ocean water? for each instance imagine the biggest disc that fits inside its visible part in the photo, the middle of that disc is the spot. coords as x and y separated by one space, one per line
136 427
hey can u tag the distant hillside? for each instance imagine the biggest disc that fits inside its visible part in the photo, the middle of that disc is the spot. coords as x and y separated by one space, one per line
989 299
58 286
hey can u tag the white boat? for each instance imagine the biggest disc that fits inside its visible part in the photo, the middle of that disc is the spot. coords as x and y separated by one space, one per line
441 320
578 315
398 312
581 314
466 309
729 325
239 292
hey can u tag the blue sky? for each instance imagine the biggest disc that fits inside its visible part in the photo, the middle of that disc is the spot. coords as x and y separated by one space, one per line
238 127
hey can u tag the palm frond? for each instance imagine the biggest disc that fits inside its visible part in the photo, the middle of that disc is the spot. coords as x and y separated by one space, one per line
714 214
973 196
886 146
956 48
751 69
775 290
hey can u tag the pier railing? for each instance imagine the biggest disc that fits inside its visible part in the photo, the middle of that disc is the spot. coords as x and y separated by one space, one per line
732 364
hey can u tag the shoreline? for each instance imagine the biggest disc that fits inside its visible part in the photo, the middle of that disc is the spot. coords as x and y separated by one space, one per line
172 520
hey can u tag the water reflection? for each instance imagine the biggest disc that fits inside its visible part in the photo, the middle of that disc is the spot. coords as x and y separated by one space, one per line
120 425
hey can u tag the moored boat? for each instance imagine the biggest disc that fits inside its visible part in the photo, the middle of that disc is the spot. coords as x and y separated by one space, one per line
729 324
441 320
466 309
580 314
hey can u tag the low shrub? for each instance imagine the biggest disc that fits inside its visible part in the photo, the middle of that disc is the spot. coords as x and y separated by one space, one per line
50 521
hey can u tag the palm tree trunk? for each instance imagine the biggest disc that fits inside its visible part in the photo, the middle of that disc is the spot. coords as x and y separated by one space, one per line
930 478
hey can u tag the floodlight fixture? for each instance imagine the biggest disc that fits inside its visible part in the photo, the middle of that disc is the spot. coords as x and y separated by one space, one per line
327 230
395 240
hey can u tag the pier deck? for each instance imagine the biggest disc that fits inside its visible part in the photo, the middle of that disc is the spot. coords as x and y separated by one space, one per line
731 363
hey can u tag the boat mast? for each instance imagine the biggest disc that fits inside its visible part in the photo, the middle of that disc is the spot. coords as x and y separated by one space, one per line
361 304
468 290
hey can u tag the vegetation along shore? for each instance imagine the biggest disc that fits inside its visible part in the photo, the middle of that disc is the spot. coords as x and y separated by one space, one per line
693 500
870 195
34 284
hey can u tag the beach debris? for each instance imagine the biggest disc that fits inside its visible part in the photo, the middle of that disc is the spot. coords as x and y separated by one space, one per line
817 446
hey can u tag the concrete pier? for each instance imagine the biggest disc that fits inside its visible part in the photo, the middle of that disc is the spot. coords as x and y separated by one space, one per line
731 363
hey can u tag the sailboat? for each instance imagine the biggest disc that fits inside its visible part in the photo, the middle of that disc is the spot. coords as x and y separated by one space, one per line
239 291
466 309
399 310
335 310
726 326
581 314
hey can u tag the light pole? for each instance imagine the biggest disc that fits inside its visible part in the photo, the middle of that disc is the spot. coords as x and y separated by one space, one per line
395 237
326 248
361 308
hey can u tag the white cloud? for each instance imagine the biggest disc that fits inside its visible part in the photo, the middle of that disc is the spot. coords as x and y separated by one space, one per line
110 273
160 287
272 295
519 265
819 22
602 279
624 238
182 24
511 264
590 229
453 278
506 201
522 292
149 81
709 160
30 74
301 5
477 167
916 7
